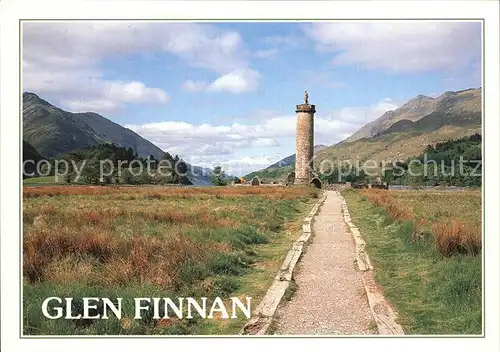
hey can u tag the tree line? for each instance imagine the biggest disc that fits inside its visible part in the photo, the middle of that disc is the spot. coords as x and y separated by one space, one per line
123 166
456 162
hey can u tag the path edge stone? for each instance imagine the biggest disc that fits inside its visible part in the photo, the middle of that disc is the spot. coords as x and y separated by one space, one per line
263 315
385 316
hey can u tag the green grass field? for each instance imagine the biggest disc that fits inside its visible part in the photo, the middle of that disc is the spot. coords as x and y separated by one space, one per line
154 242
432 293
42 180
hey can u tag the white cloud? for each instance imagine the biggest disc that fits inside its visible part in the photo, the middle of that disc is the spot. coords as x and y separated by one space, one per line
359 116
204 144
239 81
85 90
245 165
236 166
398 46
201 45
63 59
106 96
237 135
265 142
265 53
134 92
265 133
236 82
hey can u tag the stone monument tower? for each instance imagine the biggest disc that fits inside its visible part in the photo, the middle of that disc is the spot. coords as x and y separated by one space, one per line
304 142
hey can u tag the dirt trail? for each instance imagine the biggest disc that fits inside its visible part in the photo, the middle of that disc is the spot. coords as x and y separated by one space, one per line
330 298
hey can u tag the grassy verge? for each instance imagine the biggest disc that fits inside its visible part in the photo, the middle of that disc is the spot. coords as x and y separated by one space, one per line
434 293
162 242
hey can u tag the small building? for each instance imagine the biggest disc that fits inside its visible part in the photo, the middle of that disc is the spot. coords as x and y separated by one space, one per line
316 182
256 181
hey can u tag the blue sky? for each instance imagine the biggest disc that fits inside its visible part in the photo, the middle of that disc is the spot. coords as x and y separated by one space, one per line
225 93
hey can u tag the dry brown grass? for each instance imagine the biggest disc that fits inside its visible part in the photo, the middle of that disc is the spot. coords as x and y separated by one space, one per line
42 216
115 235
397 210
140 241
166 192
454 237
454 218
140 259
465 205
66 271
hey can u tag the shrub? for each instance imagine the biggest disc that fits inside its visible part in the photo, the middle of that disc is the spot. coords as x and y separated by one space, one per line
227 264
250 235
224 285
454 237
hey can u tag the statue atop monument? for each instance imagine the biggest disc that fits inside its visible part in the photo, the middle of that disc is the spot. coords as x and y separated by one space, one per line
306 97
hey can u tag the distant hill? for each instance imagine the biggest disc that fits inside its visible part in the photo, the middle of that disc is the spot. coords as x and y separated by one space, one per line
290 160
402 133
53 132
285 165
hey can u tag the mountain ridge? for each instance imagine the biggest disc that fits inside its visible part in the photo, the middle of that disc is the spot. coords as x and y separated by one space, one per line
417 108
75 130
52 131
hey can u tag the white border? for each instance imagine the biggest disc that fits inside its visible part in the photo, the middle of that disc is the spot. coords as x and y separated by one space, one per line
12 10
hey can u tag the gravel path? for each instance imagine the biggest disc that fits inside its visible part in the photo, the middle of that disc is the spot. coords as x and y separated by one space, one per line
330 298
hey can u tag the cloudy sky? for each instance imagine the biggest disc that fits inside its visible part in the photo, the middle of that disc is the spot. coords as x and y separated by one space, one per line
225 93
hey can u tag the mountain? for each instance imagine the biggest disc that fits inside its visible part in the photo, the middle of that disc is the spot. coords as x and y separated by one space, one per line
406 131
31 154
434 121
451 103
401 133
52 132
